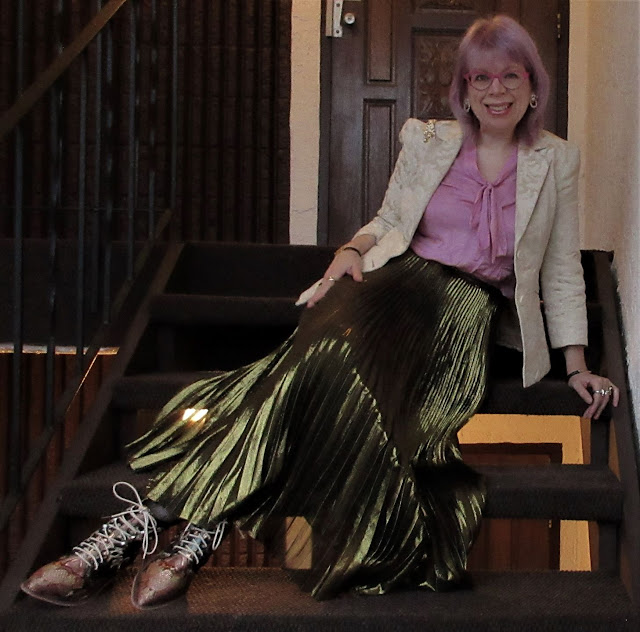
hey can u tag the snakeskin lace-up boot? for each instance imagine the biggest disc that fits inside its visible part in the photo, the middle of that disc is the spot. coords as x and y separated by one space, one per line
94 562
169 574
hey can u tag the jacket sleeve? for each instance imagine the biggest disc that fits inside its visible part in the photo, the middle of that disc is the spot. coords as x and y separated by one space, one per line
561 274
389 214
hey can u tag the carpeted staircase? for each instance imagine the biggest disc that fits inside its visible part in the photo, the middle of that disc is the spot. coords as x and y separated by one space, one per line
216 306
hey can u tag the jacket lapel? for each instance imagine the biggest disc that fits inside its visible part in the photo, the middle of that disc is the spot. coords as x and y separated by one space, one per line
436 164
533 165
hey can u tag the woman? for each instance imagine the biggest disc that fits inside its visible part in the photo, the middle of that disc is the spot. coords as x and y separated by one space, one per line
352 422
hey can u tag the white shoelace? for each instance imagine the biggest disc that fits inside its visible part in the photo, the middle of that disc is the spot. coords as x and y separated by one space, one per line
194 542
108 542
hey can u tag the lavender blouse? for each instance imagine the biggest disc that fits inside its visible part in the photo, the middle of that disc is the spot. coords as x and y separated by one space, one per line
469 223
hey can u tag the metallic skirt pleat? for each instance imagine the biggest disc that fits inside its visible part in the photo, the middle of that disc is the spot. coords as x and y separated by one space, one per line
352 424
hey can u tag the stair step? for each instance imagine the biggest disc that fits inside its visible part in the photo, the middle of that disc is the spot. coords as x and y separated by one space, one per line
215 309
238 600
251 269
152 390
197 309
505 396
569 492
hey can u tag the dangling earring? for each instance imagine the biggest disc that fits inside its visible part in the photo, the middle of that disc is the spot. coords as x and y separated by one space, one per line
533 101
466 106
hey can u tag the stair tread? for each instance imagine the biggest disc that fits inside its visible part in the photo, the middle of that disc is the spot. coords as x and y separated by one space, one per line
548 397
504 396
571 492
239 599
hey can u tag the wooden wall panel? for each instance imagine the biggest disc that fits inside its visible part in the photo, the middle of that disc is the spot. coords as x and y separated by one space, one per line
234 61
34 397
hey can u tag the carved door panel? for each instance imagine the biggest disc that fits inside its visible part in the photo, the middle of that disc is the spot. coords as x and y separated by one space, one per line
395 61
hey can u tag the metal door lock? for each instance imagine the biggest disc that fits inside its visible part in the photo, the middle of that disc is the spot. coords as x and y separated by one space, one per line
334 19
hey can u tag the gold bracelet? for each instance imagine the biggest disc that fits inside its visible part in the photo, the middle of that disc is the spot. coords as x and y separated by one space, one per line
346 247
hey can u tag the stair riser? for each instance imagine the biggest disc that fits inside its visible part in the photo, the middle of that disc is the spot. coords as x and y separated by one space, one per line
191 322
563 492
258 270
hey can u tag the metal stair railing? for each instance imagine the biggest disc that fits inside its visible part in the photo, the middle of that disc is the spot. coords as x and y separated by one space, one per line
95 228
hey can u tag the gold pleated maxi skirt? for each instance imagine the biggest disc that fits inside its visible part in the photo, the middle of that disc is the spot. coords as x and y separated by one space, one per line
351 423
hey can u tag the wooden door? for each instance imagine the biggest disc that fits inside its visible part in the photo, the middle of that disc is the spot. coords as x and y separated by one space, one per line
393 62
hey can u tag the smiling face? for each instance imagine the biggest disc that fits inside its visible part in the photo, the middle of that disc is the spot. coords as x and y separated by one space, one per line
497 108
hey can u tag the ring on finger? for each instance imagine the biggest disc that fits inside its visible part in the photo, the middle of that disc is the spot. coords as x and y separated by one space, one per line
331 279
601 391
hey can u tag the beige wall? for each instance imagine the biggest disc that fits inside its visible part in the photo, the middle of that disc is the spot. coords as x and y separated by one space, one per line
305 123
604 113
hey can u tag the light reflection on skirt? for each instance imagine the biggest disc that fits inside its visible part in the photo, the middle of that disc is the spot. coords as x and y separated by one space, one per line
351 423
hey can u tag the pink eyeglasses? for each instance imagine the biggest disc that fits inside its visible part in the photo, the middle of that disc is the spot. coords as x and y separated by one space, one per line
510 79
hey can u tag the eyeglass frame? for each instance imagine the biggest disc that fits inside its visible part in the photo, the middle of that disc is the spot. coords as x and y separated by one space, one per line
492 76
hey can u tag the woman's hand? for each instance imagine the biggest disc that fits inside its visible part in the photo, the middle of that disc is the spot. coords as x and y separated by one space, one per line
597 391
345 262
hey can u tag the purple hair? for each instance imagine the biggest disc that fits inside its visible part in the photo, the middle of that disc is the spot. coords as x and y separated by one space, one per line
501 34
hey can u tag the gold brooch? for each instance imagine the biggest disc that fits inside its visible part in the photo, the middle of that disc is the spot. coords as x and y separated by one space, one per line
429 130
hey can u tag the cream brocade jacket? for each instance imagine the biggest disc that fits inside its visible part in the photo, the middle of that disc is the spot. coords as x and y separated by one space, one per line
547 251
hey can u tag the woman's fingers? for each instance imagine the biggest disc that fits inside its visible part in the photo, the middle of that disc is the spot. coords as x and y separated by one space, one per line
616 395
596 391
340 266
323 288
600 401
583 392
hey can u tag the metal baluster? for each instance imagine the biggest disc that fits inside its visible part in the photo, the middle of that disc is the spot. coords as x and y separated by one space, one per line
257 121
55 191
174 106
109 180
222 122
204 114
189 225
274 140
82 185
15 441
153 119
94 283
240 191
133 141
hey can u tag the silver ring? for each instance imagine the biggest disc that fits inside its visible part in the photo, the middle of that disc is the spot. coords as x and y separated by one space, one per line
610 389
601 391
332 279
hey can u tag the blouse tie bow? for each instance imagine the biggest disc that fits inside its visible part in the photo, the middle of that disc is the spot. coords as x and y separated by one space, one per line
486 220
